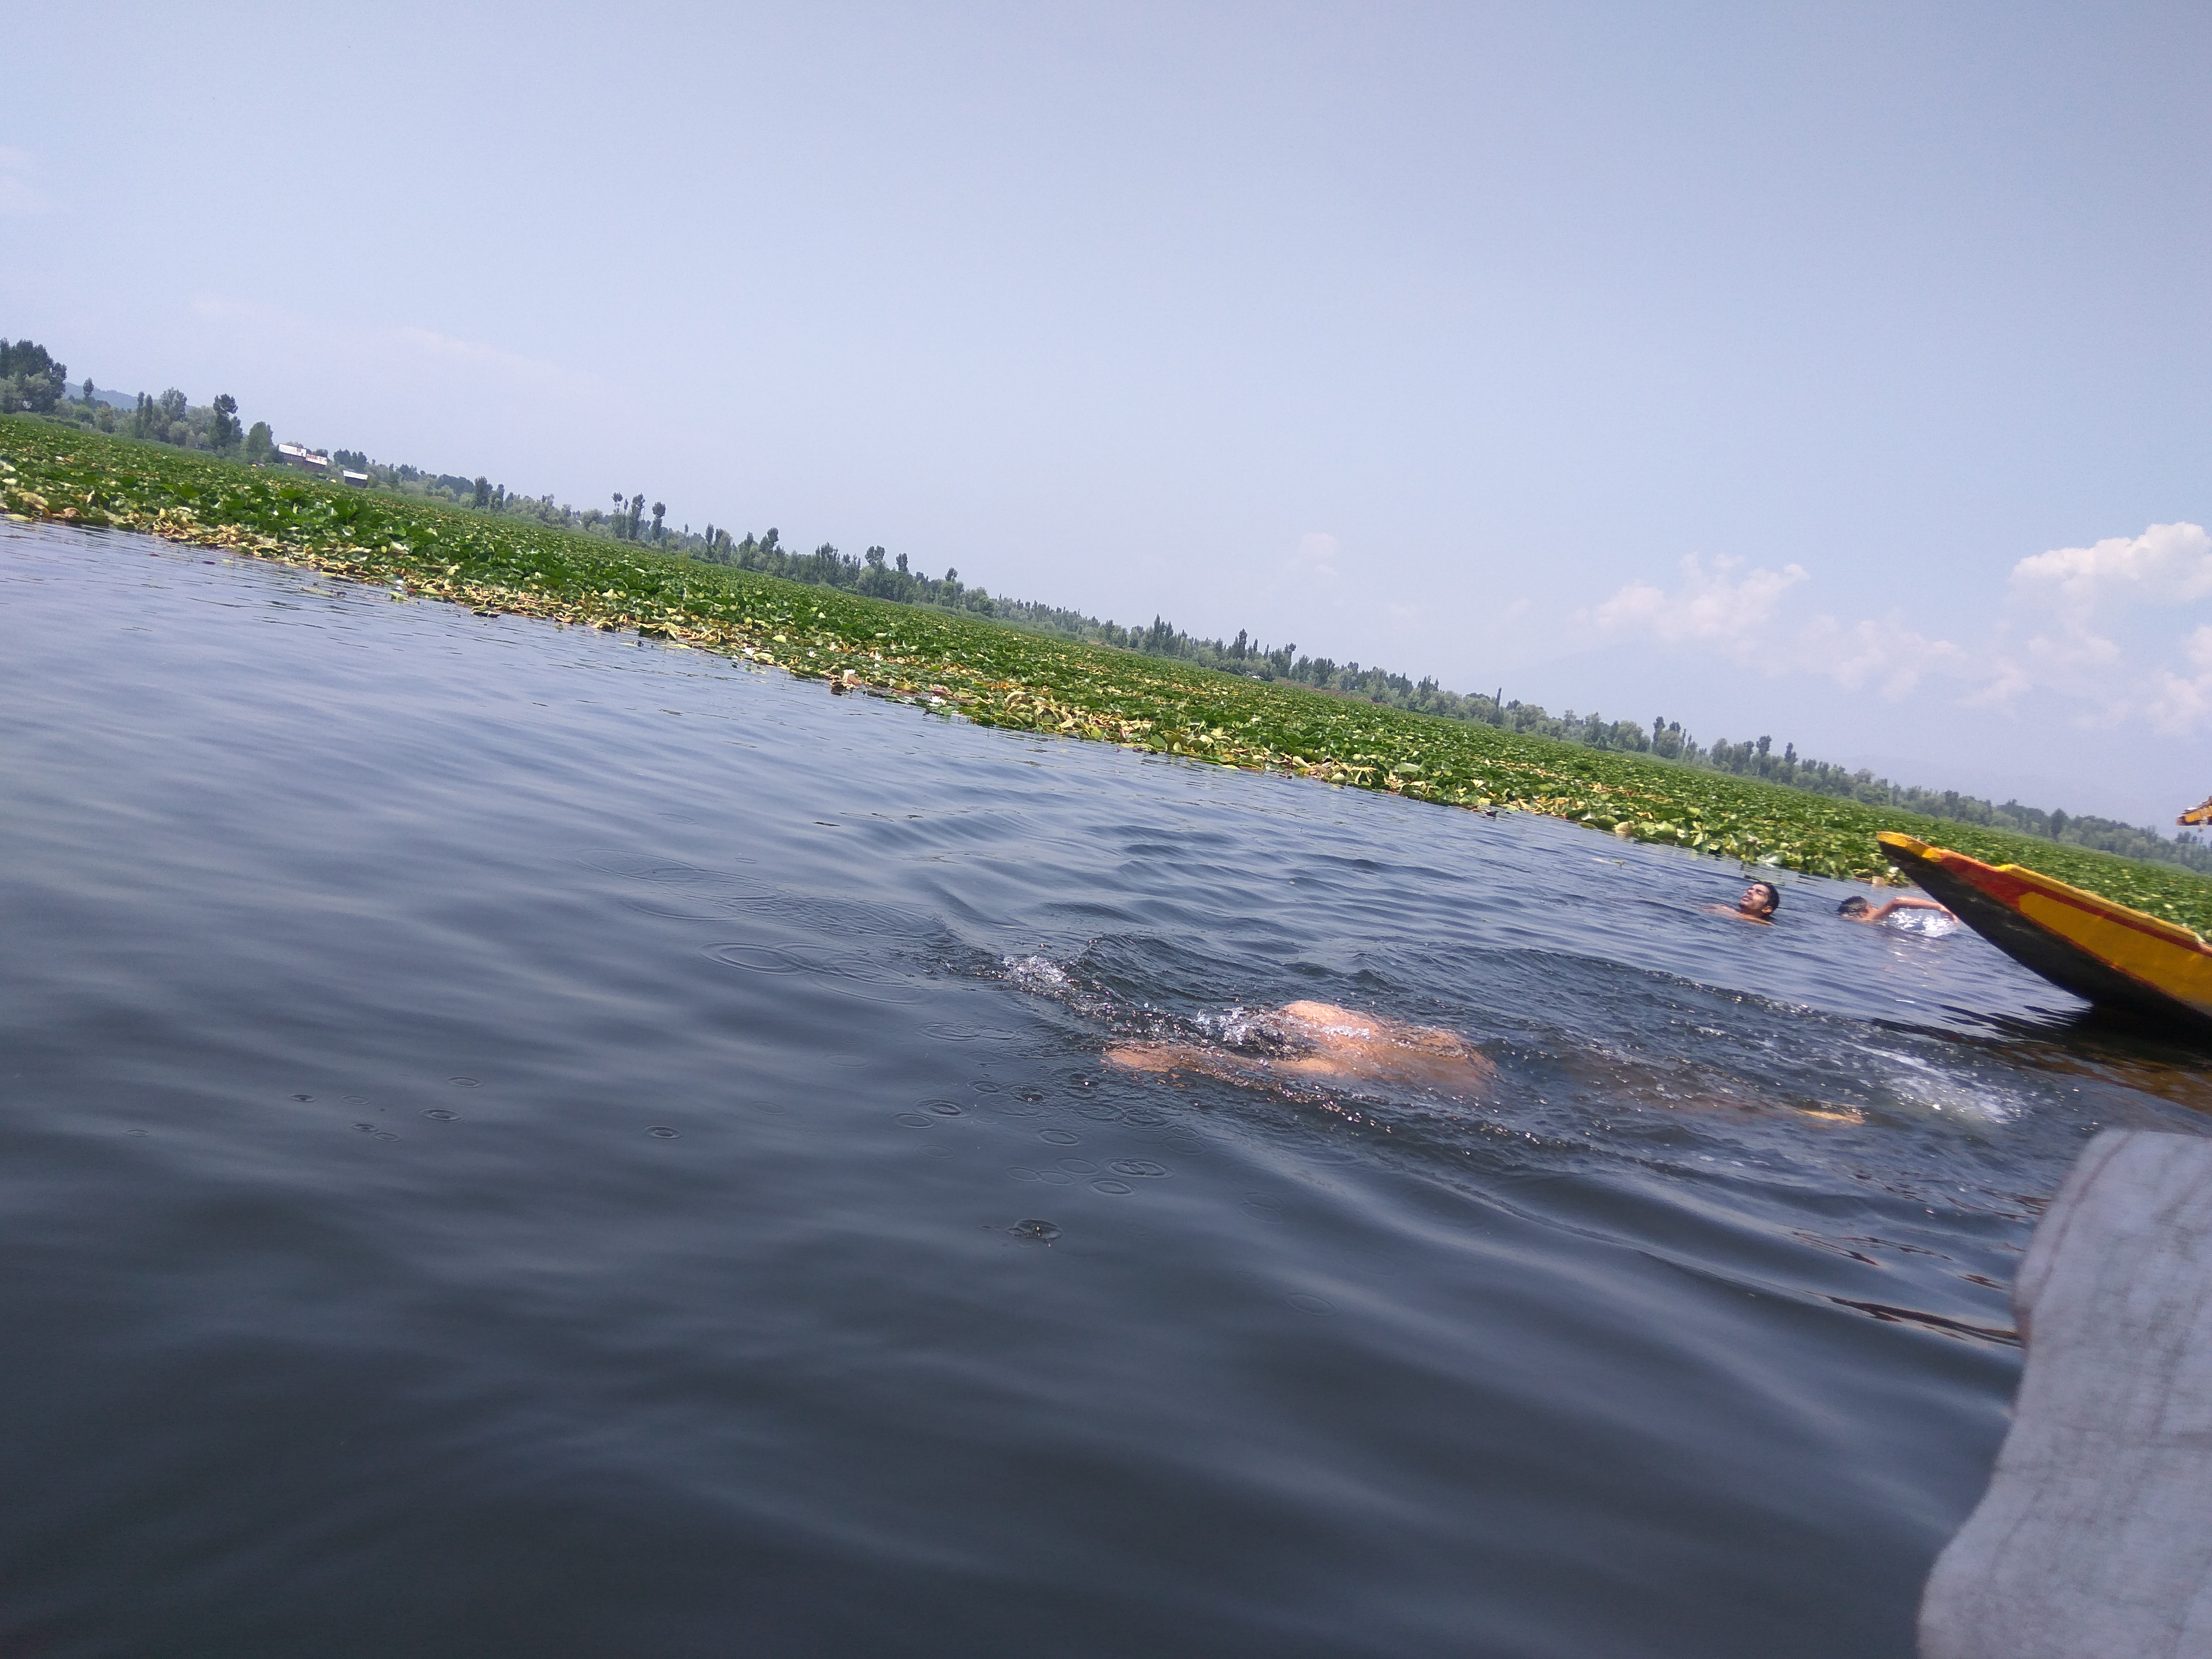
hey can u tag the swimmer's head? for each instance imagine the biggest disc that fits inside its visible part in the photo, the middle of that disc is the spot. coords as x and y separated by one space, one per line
1761 898
1854 906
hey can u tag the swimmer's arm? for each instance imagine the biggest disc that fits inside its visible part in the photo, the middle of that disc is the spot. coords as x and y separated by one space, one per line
1150 1056
1162 1059
1904 901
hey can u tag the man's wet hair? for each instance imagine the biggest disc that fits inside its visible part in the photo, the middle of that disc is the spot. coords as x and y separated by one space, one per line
1853 906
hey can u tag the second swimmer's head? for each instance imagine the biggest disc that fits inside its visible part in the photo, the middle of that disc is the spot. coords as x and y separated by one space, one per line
1853 906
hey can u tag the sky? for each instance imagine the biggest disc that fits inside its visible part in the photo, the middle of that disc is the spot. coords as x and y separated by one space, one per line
1839 374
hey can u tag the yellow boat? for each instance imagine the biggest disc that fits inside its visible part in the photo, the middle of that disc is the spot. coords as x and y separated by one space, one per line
2111 955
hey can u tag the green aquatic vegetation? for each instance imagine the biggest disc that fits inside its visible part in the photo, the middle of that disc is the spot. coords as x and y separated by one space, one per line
993 673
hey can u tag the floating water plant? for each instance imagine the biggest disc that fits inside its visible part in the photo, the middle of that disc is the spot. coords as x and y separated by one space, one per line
992 673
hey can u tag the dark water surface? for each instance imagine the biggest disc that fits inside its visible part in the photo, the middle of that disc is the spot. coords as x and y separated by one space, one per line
514 1141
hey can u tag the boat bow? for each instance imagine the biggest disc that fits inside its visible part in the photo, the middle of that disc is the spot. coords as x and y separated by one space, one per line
2111 955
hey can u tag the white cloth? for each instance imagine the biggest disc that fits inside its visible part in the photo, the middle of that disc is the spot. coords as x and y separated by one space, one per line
2094 1540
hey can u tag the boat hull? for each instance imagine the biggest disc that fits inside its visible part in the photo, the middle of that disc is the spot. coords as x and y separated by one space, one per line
2107 953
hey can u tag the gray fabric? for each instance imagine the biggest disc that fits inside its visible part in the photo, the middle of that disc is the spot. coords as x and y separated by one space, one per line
2094 1540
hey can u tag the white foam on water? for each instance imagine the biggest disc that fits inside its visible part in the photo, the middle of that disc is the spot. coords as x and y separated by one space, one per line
1917 1083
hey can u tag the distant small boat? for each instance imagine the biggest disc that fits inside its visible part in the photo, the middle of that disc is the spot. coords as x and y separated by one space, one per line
2114 955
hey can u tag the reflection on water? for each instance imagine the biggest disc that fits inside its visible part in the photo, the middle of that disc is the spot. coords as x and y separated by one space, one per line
517 1140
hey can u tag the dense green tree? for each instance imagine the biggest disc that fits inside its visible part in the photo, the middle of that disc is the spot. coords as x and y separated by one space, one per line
660 511
161 419
30 378
222 432
260 445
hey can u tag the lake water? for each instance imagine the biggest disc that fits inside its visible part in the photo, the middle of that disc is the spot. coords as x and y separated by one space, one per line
513 1141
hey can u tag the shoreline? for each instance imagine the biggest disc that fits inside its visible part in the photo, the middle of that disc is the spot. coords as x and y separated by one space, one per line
994 674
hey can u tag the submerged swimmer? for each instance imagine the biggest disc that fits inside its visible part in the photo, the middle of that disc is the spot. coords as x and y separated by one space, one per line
1856 909
1316 1040
1308 1043
1305 1043
1759 903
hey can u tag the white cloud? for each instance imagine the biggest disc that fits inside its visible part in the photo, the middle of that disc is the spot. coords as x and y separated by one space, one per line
18 194
2065 631
1712 606
1736 613
2180 704
2067 610
2167 564
1888 654
2068 657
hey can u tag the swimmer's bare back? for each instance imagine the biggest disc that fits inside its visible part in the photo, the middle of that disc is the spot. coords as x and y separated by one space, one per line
1325 1041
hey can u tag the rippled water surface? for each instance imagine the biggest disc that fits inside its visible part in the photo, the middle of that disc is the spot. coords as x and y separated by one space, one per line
518 1141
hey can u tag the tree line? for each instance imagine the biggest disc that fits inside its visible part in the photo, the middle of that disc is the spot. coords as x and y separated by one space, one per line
30 380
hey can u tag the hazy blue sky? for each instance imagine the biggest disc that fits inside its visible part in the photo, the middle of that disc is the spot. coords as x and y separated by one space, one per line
1755 365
